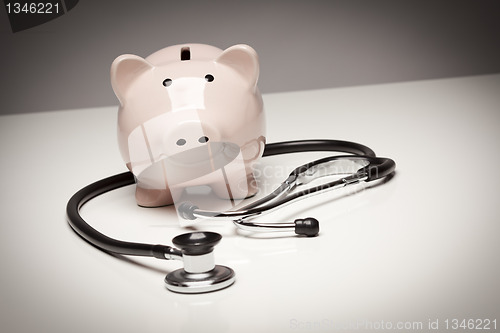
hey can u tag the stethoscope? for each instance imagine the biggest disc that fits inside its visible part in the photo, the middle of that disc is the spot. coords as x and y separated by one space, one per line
195 249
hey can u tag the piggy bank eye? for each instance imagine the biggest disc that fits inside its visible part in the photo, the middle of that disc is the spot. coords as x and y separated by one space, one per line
167 82
209 77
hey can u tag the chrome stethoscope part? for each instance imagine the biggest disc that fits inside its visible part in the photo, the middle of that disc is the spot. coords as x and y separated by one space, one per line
200 274
288 192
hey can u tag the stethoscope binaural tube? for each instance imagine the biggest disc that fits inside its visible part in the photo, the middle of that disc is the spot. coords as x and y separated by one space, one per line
370 168
376 168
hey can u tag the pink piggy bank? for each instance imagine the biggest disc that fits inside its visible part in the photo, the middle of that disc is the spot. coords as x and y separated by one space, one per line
190 115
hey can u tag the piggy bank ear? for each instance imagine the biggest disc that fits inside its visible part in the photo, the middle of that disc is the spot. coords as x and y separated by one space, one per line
244 60
124 70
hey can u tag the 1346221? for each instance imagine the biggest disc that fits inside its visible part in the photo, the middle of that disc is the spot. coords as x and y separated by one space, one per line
471 324
32 8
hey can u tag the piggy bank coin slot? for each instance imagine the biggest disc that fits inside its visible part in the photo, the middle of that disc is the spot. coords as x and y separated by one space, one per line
185 54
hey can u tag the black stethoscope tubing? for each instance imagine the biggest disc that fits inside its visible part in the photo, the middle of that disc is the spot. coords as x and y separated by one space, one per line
377 168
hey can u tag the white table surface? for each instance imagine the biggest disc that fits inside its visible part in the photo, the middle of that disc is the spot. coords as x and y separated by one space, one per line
422 247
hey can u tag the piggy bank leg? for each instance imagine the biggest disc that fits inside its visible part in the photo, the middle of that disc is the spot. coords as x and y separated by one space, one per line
147 197
242 188
152 190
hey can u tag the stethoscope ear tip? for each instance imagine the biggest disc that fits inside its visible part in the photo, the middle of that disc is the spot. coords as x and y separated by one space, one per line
307 227
186 210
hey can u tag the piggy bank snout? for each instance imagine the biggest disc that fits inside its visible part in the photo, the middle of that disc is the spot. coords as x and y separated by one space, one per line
188 135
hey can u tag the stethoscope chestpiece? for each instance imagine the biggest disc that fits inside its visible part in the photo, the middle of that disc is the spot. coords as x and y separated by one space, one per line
200 274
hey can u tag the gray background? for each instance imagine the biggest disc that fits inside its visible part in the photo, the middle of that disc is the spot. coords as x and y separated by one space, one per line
64 64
